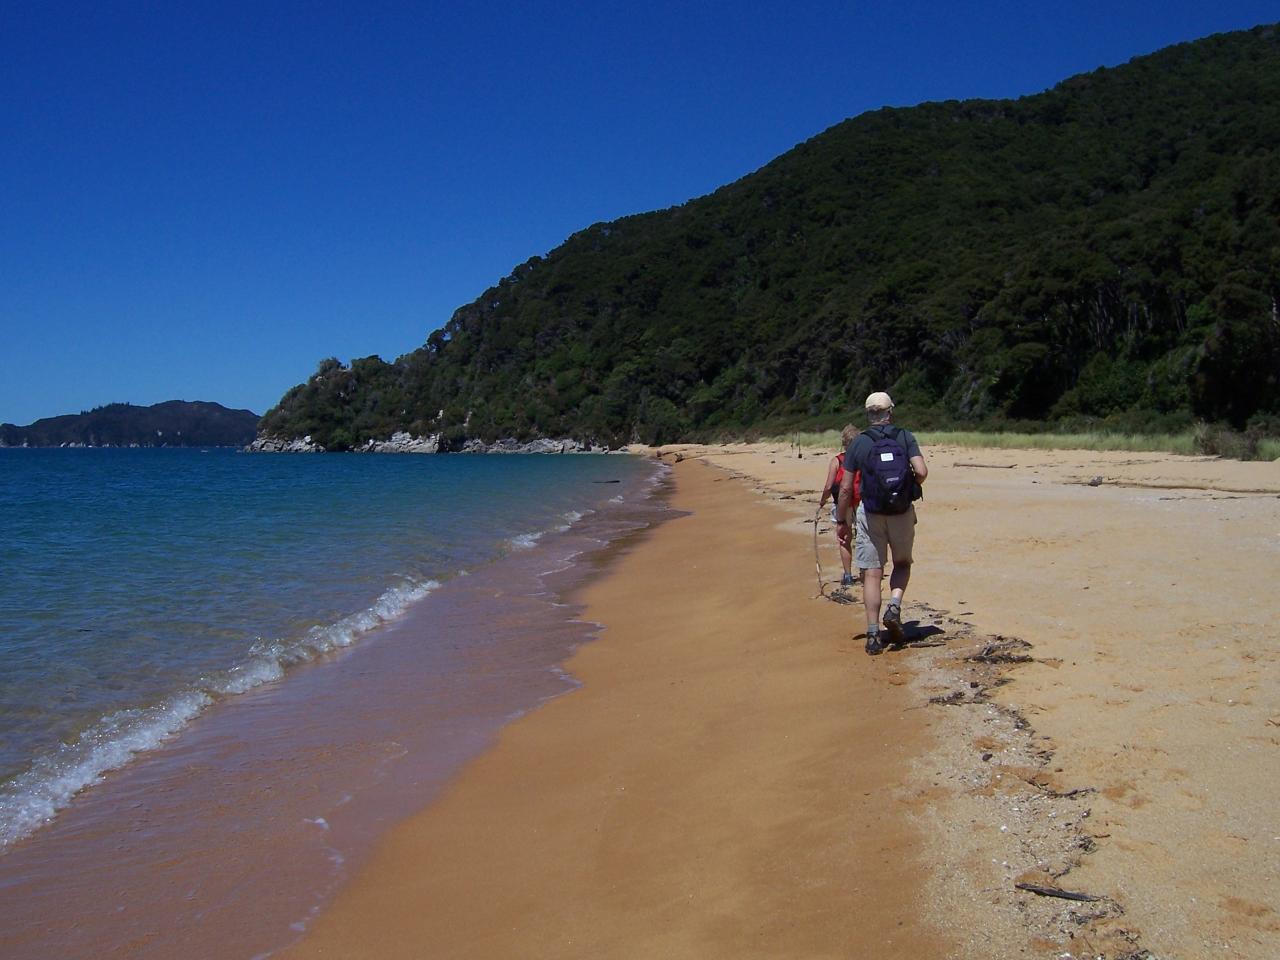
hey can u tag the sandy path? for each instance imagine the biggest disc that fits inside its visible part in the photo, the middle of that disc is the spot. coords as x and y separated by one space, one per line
728 781
1152 605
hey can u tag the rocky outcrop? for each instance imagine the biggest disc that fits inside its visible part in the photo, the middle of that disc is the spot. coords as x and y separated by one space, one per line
282 445
541 445
403 442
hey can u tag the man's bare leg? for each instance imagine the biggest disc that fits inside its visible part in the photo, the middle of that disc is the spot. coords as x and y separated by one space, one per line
893 612
871 578
898 581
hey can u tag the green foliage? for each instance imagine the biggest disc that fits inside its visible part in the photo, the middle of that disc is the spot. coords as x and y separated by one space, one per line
1106 251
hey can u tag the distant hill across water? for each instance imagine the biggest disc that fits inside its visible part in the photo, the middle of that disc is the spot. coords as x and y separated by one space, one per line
1104 253
174 423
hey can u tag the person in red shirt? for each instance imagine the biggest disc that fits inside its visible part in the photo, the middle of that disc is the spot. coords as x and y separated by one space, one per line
831 490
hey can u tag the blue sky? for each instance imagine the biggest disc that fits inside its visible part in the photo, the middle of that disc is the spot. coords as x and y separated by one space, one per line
202 201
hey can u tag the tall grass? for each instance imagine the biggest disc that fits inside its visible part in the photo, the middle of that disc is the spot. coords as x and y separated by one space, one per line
1199 441
1184 443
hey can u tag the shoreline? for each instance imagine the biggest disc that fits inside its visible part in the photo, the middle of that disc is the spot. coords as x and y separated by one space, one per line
220 840
721 784
731 776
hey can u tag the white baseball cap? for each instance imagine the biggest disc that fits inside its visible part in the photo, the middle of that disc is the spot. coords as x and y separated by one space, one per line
879 401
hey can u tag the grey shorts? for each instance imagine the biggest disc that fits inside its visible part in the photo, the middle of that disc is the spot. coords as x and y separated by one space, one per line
879 534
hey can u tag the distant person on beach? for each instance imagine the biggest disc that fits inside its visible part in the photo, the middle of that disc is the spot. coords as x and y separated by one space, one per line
892 470
831 489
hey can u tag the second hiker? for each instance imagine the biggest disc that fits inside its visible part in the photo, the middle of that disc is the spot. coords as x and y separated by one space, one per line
844 531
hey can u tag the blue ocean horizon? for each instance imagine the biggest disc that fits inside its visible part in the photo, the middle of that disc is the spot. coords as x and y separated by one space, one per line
140 587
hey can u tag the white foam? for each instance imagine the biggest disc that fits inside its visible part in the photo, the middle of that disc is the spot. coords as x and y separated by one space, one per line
32 798
525 540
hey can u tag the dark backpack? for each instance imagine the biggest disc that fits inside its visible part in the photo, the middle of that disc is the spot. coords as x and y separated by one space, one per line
888 483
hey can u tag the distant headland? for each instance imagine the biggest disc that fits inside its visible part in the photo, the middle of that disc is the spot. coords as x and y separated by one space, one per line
174 423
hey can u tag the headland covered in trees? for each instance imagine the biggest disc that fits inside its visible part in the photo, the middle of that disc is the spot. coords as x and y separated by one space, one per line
174 423
1105 253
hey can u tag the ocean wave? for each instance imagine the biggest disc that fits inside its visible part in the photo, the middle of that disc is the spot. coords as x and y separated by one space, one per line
32 798
570 518
525 540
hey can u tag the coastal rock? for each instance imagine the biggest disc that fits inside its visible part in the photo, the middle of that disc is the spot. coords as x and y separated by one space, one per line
541 445
403 442
283 445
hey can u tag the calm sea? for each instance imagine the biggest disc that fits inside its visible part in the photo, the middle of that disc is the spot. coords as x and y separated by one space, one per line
145 594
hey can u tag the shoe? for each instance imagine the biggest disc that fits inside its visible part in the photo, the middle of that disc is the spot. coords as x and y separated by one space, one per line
874 644
893 623
847 580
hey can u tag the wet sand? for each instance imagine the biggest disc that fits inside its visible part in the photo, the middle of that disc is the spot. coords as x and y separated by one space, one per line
731 780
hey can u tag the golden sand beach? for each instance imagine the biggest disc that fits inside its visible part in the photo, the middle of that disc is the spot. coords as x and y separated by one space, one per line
1091 707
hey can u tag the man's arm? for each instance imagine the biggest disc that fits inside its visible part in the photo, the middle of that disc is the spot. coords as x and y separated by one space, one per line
918 467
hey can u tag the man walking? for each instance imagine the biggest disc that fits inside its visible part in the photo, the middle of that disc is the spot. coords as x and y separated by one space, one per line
892 469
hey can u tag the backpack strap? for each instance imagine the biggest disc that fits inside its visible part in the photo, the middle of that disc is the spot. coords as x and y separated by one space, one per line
888 431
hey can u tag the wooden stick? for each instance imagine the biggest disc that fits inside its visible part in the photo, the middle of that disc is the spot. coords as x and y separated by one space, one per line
1055 892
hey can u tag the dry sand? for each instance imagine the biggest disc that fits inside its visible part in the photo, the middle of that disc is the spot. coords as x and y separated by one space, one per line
736 778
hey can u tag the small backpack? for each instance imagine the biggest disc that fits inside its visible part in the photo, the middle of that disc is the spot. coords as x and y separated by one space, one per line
888 483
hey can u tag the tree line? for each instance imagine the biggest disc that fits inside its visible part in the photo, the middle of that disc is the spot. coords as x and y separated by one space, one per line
1105 253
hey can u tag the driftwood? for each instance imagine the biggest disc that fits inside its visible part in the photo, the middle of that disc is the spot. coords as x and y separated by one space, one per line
988 466
1055 892
1077 792
1056 794
998 652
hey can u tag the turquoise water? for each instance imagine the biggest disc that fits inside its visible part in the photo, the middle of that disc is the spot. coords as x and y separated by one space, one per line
140 587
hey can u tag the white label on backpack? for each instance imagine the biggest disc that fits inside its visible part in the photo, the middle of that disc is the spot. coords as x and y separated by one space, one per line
885 457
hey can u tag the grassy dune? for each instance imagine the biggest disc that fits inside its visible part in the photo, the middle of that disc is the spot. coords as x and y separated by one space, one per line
1202 441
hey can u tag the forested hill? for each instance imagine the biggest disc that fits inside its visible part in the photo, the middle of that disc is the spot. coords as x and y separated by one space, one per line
1108 248
175 423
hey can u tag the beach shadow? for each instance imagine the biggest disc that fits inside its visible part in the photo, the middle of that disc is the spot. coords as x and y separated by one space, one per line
914 634
914 631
